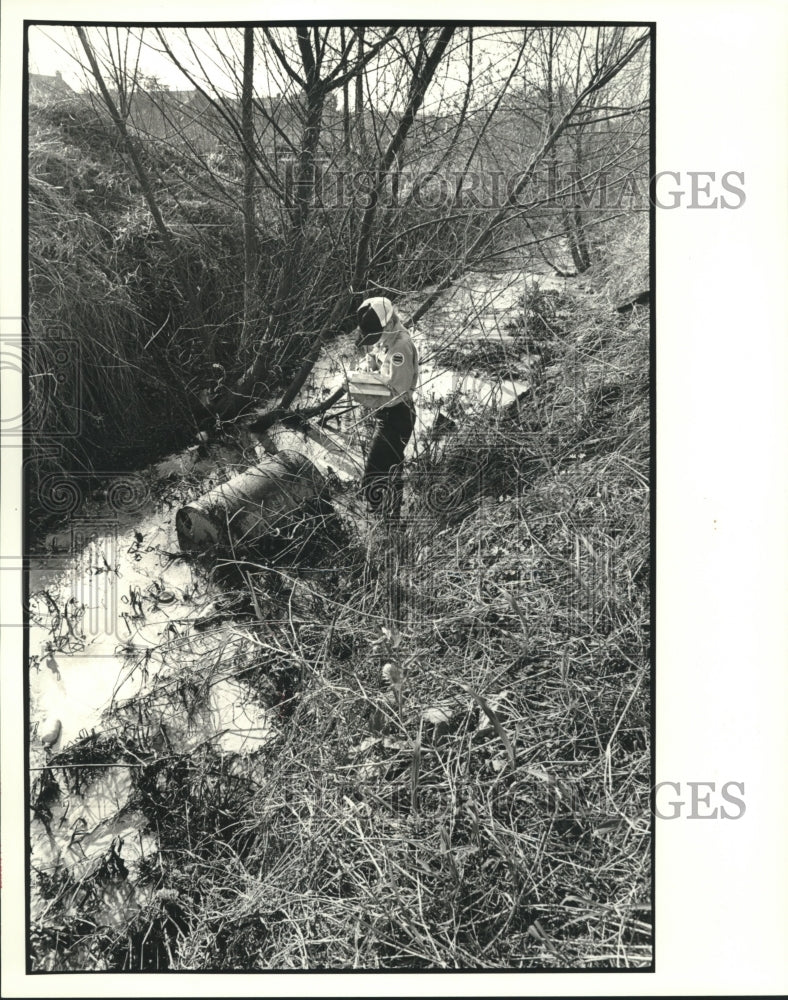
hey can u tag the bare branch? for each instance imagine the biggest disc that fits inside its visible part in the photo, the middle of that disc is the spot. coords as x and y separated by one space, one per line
283 59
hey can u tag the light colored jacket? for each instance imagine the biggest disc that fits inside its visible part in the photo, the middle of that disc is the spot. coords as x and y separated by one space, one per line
396 359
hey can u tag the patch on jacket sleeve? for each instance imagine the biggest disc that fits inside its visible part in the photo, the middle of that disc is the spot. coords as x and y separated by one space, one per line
398 358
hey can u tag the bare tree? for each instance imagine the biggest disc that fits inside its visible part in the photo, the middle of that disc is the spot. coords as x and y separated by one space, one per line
323 257
126 82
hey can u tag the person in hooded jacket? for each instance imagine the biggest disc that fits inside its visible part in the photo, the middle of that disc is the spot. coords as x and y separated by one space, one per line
391 353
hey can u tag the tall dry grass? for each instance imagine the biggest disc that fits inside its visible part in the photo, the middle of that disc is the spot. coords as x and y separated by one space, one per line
460 771
109 379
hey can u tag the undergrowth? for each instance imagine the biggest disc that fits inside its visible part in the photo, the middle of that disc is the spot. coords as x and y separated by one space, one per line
459 770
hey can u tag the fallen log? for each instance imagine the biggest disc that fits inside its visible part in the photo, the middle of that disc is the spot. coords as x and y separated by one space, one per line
261 422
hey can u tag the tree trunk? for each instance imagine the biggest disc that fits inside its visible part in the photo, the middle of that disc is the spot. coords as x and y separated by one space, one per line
578 222
345 100
552 164
361 132
304 192
250 239
418 90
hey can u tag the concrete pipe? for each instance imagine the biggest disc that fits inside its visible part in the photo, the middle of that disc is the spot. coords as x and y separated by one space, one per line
261 505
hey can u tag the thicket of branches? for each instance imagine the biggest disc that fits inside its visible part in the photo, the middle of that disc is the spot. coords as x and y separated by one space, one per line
239 221
458 769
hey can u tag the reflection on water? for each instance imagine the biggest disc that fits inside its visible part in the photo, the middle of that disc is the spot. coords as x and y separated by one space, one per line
112 608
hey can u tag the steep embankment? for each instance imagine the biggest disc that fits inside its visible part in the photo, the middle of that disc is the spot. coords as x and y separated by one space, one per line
116 358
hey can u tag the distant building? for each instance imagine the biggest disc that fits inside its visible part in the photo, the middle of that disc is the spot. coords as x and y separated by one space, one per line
44 89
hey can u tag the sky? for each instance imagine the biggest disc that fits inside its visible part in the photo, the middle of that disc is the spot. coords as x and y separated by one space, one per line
56 47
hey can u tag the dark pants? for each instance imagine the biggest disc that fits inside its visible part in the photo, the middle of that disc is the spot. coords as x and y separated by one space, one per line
382 484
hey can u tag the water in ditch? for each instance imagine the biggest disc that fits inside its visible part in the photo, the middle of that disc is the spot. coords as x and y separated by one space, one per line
116 655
